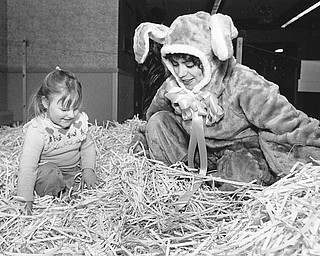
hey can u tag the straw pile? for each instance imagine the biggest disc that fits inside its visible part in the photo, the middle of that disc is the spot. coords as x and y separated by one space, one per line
133 210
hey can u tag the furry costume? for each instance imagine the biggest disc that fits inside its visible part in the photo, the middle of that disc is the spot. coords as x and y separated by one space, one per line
251 131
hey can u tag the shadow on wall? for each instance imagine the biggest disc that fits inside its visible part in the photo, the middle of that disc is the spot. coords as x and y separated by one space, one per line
151 74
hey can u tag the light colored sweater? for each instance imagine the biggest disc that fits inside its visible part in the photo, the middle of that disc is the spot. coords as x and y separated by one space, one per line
46 142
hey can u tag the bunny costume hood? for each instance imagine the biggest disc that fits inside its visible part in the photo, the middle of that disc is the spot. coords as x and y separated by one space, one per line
208 37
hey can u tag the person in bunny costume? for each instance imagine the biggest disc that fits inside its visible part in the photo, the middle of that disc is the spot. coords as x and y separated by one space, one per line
217 115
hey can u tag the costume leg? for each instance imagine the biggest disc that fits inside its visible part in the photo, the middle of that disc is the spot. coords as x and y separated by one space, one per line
167 140
281 157
212 160
49 180
244 165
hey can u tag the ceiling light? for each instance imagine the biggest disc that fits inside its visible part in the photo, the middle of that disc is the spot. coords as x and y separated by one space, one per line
280 50
301 14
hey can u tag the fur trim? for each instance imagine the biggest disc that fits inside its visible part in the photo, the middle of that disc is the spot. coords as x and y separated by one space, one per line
180 48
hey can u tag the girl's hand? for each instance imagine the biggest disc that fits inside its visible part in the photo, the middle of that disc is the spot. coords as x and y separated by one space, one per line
89 179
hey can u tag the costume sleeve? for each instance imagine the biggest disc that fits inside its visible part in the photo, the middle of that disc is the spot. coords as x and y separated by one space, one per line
88 153
270 111
29 159
159 102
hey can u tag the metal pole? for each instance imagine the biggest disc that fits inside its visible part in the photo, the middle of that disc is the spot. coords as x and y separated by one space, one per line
215 7
24 80
239 49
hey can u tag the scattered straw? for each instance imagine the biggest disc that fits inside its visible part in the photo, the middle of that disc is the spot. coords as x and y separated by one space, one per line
133 211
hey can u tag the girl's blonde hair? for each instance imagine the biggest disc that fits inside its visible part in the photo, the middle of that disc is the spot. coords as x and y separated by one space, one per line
56 82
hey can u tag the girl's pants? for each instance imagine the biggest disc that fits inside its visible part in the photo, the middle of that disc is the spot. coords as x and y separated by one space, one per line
51 180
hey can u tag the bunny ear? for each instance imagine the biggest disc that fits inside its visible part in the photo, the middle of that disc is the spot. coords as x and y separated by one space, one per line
143 32
222 33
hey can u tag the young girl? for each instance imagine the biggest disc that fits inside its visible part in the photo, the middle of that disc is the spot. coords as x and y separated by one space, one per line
57 140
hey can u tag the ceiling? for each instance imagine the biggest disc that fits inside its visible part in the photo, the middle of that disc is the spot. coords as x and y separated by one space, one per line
246 14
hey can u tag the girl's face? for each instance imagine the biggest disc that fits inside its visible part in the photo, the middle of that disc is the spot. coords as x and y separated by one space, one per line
58 114
189 73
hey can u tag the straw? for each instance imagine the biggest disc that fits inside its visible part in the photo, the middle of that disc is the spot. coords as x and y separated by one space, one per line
133 212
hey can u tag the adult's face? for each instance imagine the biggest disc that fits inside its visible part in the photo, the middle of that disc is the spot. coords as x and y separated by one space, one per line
189 73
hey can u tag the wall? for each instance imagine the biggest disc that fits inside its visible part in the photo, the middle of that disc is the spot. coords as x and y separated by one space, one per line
74 34
128 21
3 55
97 90
6 117
81 36
309 101
125 96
